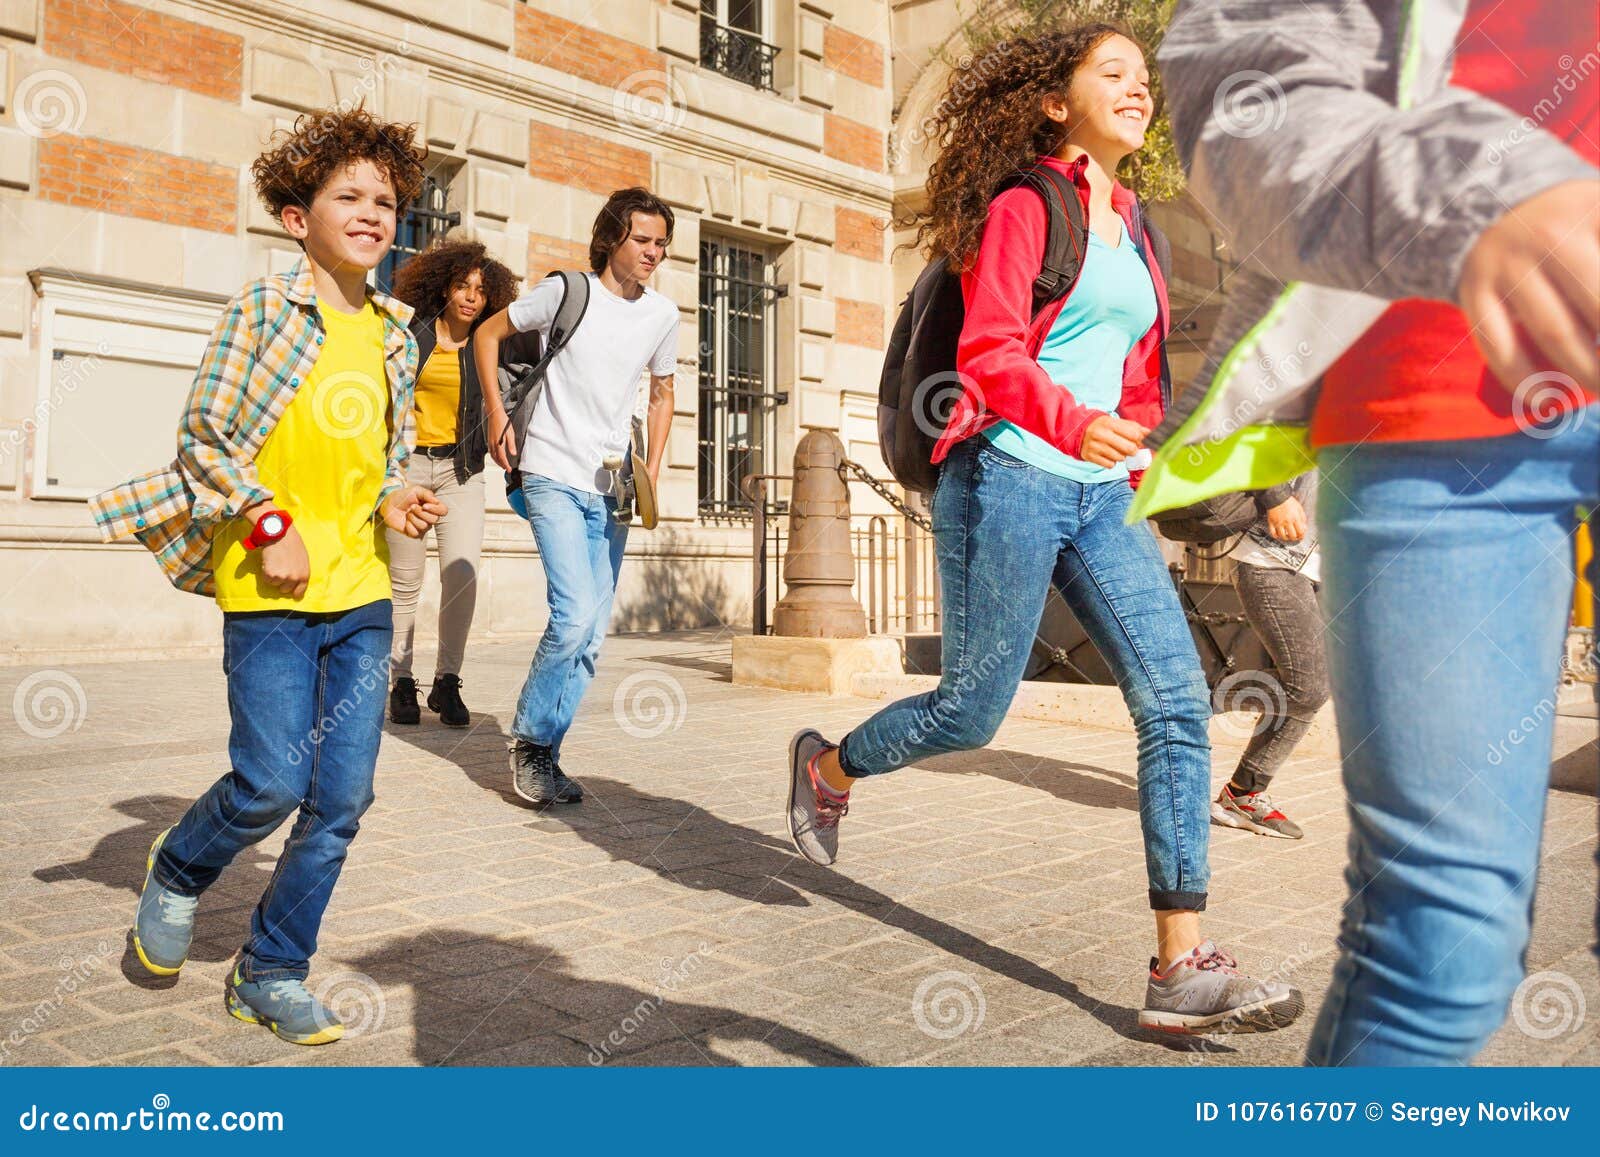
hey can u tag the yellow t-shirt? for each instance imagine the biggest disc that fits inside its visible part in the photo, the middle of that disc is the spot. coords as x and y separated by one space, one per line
438 398
324 462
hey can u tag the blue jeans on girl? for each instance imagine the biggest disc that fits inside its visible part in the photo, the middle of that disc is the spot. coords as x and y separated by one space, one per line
1005 532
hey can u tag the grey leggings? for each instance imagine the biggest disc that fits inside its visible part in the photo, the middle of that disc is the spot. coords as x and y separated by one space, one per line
460 537
1282 607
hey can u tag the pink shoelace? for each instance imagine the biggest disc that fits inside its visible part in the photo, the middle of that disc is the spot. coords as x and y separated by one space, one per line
1217 961
831 807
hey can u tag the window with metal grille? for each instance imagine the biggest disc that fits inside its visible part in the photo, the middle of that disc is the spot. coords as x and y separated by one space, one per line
738 407
731 40
428 219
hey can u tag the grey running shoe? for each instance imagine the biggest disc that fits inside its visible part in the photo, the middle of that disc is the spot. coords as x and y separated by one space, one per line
1254 812
286 1007
571 789
813 819
533 774
1206 993
163 924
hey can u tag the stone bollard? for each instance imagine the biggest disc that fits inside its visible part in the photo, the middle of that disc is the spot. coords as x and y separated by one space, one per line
819 564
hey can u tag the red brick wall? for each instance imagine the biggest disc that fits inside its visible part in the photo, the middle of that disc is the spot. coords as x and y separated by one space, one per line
858 323
858 234
583 52
852 142
566 157
150 45
853 56
546 253
113 178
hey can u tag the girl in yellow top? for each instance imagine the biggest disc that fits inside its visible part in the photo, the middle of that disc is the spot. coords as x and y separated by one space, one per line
451 288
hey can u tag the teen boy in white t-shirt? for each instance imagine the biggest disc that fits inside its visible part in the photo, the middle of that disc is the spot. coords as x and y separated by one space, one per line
583 416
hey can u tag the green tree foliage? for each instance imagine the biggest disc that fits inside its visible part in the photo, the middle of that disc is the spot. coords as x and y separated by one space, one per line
1154 173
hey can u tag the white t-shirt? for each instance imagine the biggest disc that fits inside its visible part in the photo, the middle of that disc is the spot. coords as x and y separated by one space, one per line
585 411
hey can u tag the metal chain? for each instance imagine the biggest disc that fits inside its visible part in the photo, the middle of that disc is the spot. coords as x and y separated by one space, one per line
882 490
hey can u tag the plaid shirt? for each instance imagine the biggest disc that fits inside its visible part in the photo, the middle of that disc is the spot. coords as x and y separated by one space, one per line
264 346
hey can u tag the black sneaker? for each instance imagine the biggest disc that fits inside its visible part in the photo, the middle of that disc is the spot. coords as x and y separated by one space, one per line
445 698
571 789
403 702
533 774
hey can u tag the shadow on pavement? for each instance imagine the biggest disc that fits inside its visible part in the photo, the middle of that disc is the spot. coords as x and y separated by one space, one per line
498 1001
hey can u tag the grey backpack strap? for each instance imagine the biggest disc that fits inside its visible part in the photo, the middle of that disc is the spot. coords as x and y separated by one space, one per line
522 396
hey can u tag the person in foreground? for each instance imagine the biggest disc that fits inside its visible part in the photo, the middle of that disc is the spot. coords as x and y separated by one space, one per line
1036 481
291 464
1423 222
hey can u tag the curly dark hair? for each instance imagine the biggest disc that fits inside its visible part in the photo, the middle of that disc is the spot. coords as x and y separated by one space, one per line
324 143
991 124
615 219
424 283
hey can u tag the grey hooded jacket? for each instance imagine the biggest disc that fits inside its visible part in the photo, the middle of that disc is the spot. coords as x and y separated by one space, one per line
1345 172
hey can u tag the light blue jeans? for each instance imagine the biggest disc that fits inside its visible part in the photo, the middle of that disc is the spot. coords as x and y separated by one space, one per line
580 544
1005 533
1447 584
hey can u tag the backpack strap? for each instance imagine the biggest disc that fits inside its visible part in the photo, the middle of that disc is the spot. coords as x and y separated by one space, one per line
1065 233
574 304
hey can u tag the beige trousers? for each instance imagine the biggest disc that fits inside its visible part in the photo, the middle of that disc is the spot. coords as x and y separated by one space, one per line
459 535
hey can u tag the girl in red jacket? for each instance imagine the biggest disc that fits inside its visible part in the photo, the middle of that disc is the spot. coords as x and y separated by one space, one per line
1039 458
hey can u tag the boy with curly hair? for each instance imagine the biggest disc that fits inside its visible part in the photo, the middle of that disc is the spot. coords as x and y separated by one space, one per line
291 461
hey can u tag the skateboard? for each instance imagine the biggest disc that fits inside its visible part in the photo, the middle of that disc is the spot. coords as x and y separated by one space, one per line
636 494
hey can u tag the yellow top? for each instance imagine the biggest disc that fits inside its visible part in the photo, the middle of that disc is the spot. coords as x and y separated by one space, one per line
438 398
324 463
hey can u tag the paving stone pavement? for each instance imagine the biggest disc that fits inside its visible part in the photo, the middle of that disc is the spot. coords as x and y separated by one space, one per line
989 907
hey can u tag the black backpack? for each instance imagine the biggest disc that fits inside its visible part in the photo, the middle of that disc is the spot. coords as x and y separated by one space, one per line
920 385
1210 520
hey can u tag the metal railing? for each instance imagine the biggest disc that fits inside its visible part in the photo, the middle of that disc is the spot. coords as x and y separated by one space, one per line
738 405
896 571
743 56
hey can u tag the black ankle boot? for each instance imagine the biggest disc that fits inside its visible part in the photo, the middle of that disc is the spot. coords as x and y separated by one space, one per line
445 698
403 702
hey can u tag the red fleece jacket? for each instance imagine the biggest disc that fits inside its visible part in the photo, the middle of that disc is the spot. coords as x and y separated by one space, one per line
998 353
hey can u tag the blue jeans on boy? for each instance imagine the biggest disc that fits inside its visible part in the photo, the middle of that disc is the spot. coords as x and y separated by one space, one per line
306 695
1448 581
1005 532
580 544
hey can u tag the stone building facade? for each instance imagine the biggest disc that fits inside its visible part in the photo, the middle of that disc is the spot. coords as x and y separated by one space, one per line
127 218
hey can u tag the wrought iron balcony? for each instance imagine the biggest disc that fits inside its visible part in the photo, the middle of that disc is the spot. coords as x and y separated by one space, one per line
743 56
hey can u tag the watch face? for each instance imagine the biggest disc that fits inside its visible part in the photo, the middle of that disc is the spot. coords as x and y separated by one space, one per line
271 525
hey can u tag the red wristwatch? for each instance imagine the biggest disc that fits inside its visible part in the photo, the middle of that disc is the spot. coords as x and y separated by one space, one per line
270 527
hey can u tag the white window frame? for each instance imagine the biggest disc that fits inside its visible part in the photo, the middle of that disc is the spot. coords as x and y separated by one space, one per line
109 318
